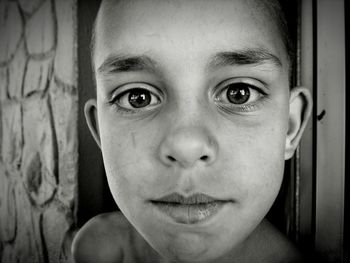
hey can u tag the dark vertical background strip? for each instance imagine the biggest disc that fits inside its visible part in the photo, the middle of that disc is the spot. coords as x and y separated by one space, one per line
347 129
93 193
283 212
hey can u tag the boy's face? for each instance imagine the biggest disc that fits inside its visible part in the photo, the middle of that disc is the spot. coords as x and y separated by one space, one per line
192 99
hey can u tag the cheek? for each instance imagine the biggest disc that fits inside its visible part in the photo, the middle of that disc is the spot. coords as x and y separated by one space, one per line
254 159
128 157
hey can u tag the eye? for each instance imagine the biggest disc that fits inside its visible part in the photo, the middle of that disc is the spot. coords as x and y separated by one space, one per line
239 93
137 98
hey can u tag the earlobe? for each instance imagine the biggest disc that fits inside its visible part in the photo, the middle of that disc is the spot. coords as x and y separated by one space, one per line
300 107
90 111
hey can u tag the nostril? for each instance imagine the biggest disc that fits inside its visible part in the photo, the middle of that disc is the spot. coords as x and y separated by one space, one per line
172 159
204 158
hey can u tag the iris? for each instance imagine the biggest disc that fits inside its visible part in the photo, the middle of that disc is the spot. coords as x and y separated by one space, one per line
238 93
139 98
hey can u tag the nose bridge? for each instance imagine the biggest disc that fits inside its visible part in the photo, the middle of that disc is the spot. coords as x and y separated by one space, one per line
189 139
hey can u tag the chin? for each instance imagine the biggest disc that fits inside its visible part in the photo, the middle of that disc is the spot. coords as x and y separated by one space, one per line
203 253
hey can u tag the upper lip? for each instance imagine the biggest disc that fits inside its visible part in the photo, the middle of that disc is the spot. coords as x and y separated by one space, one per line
194 199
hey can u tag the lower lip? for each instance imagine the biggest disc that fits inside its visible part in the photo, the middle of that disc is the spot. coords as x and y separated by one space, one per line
190 214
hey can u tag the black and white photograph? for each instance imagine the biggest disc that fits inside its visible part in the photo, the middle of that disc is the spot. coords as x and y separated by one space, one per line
174 131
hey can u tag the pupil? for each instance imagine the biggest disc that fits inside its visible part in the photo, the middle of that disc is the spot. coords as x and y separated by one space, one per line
238 93
139 98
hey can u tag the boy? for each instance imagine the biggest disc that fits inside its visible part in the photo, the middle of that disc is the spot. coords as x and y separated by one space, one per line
195 118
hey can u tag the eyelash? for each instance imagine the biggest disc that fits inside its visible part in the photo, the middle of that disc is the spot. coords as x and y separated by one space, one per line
116 97
232 108
229 108
122 110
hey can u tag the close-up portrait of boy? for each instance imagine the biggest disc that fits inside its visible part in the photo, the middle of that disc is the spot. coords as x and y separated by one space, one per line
195 116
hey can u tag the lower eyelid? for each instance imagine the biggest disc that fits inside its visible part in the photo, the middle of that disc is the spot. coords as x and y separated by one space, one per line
243 108
124 111
247 107
231 108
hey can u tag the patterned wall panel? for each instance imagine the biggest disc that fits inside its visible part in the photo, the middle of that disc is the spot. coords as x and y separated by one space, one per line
38 129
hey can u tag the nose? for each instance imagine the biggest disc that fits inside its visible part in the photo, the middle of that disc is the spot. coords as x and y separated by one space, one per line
188 147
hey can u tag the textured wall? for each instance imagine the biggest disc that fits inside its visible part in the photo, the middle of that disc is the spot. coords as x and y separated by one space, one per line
38 129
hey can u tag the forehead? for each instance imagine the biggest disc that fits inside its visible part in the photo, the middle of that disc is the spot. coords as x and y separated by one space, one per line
184 28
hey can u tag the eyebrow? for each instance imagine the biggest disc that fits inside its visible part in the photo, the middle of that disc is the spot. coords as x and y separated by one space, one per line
122 63
244 57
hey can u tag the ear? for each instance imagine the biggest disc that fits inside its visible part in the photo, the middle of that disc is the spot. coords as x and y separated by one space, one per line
300 107
90 111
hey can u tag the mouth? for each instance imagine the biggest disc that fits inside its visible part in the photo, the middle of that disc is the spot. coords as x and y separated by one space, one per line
189 210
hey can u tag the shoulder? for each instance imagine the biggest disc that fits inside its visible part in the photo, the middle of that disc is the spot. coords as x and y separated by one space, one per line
270 245
100 239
